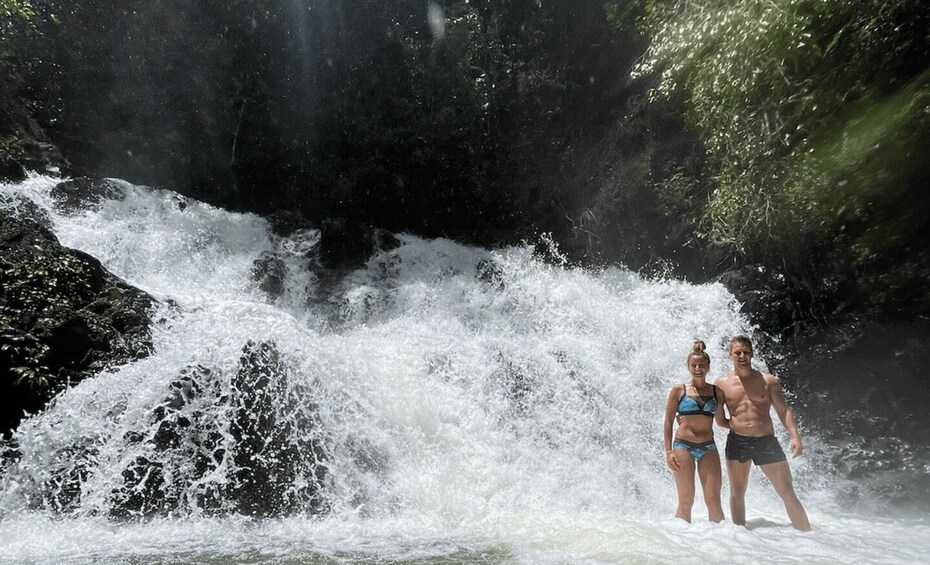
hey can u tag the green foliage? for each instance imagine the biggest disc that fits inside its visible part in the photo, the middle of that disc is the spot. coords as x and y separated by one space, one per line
19 49
815 112
34 377
766 81
16 28
25 356
355 111
36 287
41 288
14 14
18 8
622 13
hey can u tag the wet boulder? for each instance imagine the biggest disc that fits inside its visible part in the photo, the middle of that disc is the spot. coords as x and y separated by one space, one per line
67 472
490 272
286 222
270 272
180 447
346 245
24 144
249 442
80 194
280 459
145 490
63 317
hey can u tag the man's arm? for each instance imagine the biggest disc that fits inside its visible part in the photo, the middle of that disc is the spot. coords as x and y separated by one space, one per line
785 414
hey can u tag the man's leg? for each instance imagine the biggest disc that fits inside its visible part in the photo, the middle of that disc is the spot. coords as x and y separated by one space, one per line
739 480
779 474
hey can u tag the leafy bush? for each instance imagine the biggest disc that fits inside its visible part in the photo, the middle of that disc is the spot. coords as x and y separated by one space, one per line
817 113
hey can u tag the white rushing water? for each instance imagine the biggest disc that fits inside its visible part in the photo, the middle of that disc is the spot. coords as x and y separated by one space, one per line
474 406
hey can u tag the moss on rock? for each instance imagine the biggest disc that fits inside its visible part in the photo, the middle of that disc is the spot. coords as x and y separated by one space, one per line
63 317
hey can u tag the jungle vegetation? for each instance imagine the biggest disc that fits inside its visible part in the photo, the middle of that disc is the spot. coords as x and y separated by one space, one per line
679 137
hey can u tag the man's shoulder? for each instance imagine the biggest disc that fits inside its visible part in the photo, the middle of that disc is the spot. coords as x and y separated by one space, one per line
729 375
725 380
731 378
769 377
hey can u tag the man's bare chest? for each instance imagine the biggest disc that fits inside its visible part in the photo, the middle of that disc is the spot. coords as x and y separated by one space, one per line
752 393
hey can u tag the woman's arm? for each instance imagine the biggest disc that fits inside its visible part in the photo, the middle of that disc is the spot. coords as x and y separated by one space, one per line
671 408
719 416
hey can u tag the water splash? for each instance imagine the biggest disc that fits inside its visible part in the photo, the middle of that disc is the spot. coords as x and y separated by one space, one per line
439 398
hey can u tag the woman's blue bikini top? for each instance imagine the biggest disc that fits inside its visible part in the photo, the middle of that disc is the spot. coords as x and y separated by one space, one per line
705 405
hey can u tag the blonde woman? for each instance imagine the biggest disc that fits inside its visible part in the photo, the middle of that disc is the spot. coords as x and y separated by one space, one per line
695 405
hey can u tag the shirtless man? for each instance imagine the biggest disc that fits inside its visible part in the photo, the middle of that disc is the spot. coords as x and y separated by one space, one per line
748 395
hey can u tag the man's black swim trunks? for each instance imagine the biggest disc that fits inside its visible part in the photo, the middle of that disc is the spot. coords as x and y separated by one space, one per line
762 450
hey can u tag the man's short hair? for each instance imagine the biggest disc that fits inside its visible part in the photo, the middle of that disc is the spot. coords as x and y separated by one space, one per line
741 339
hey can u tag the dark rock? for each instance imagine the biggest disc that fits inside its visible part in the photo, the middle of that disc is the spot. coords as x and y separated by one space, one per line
286 222
773 301
271 451
345 244
12 171
77 195
269 271
186 445
24 145
490 272
69 470
281 467
870 375
72 340
63 317
144 492
25 208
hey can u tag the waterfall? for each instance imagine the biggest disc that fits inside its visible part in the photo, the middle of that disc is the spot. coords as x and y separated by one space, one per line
439 400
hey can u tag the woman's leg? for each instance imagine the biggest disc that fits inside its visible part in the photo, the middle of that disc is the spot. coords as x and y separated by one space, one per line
711 479
684 482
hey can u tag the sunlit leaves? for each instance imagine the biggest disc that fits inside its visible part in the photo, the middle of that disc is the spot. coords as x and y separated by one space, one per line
16 8
15 24
789 95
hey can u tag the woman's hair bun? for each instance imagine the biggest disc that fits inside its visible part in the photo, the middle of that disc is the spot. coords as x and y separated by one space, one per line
698 349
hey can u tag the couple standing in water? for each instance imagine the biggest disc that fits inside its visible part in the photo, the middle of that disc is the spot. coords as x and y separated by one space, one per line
748 396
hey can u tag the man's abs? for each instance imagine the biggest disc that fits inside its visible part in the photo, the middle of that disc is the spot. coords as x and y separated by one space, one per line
751 425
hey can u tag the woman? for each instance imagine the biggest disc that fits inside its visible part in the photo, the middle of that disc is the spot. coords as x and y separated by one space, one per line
695 405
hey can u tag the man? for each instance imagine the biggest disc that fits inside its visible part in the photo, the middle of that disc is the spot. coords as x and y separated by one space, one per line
748 396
